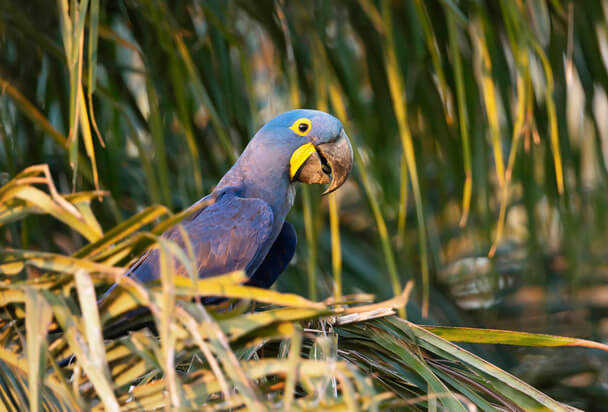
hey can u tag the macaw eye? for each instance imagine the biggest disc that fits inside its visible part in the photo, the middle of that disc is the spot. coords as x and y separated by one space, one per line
301 126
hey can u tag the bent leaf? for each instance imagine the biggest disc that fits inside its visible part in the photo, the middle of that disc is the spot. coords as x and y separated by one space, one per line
509 337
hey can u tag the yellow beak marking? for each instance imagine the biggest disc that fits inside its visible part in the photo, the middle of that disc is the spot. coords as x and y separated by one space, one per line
298 158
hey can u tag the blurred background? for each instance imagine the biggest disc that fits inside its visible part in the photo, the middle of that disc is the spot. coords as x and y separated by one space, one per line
481 129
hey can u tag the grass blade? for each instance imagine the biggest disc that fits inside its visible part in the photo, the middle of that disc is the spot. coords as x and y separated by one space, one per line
462 117
397 91
37 320
507 337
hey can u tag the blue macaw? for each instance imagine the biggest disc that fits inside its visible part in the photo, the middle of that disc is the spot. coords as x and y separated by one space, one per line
244 227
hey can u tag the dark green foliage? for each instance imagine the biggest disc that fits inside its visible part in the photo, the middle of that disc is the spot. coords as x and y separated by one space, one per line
501 107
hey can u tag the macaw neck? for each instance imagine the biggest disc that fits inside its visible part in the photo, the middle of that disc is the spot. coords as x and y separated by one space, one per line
263 174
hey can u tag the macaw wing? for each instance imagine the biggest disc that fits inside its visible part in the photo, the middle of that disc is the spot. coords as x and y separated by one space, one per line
231 234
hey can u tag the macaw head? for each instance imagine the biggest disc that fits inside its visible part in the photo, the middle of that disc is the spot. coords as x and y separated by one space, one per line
319 151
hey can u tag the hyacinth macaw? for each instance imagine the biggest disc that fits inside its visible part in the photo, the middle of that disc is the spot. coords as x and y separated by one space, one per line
244 228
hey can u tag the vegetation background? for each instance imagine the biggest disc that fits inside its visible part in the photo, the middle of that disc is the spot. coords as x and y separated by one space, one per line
481 130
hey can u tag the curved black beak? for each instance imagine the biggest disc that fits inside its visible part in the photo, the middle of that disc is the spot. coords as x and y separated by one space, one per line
331 163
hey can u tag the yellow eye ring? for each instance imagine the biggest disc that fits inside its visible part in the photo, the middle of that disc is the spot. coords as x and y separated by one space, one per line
301 126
